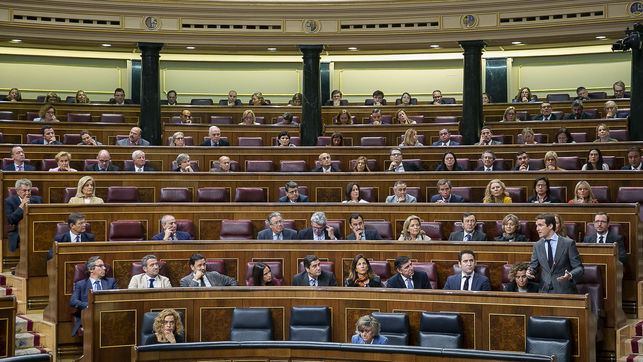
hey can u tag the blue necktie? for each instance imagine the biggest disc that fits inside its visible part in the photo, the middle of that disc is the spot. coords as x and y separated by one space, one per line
97 285
409 284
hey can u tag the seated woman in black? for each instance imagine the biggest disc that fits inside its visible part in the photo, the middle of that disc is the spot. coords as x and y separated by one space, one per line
518 280
261 275
542 193
449 162
167 328
510 228
362 274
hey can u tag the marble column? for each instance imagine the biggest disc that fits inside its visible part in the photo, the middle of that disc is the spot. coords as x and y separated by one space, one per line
311 120
472 117
635 120
150 118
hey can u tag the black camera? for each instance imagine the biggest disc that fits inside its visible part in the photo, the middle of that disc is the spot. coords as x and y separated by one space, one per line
632 39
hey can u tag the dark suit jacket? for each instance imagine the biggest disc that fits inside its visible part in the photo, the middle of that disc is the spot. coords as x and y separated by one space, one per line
493 168
553 116
14 214
65 238
224 102
517 168
94 167
453 198
222 142
611 238
410 166
307 234
452 143
125 101
301 198
478 282
25 166
420 281
326 279
41 141
333 168
288 234
475 236
342 102
145 169
627 167
518 237
513 287
370 235
491 143
582 116
376 282
457 168
565 258
180 235
550 199
79 296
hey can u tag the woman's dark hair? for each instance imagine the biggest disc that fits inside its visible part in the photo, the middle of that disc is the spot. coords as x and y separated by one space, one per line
599 163
349 189
353 274
257 274
283 133
337 135
543 178
566 132
443 166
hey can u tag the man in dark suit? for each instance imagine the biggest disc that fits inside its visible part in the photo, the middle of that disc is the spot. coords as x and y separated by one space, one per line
319 229
603 236
437 97
467 279
326 164
139 165
48 137
292 193
485 138
444 193
104 163
545 113
18 155
522 162
577 111
95 270
119 97
407 277
557 256
398 164
232 100
200 277
76 233
313 275
488 158
14 209
357 225
634 158
215 138
445 139
169 230
469 233
276 230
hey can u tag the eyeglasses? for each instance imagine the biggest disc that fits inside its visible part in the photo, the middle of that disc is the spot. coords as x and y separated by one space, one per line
319 227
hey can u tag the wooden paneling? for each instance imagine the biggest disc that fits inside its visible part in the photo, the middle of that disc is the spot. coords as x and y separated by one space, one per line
8 307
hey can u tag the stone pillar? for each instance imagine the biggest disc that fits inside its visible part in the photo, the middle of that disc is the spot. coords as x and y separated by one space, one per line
472 116
635 120
311 121
150 118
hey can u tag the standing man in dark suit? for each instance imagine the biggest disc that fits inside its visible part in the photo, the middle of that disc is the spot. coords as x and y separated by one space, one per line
634 159
14 209
215 138
326 164
557 256
18 156
276 230
407 277
76 233
320 230
485 138
357 224
119 97
313 275
488 158
603 236
444 193
445 139
398 164
104 163
200 277
292 193
139 165
48 137
577 111
470 233
545 113
95 270
467 279
169 230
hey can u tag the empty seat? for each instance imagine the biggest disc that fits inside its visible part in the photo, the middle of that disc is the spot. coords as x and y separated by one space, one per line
464 163
517 194
440 330
592 282
220 120
260 119
7 115
382 269
48 163
193 164
250 194
137 268
175 194
558 97
122 194
568 162
236 229
250 141
259 166
216 265
293 166
69 193
372 164
251 324
597 95
456 138
33 136
275 269
384 228
79 117
71 139
323 140
448 100
30 116
418 118
201 101
372 141
430 269
536 163
368 193
462 191
394 326
522 115
558 192
212 194
601 193
445 119
549 336
505 139
579 136
622 113
630 194
433 229
592 112
175 119
125 231
413 191
310 323
620 134
112 118
234 165
147 326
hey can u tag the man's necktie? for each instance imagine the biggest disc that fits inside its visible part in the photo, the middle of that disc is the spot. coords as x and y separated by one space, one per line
409 284
78 238
550 257
444 144
487 169
97 285
467 237
151 282
202 281
466 282
600 239
313 282
19 167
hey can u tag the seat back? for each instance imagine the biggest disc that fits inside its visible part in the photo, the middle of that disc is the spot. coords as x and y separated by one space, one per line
79 117
310 323
630 194
445 119
536 164
175 194
323 140
80 272
394 326
601 193
302 190
592 282
212 194
517 194
220 120
382 269
236 229
430 269
34 191
497 163
250 194
481 269
462 191
147 326
290 224
33 136
368 193
549 336
384 228
69 193
71 138
522 115
597 95
7 115
137 268
448 100
30 116
441 330
592 112
339 226
568 162
259 166
48 163
557 97
251 324
201 101
193 164
128 194
622 135
112 118
293 166
433 229
130 163
413 191
457 226
63 227
506 268
464 163
372 141
250 141
417 118
579 136
336 163
328 266
125 231
234 165
275 267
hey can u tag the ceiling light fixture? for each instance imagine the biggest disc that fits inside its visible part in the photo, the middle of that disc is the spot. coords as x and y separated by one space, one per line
190 48
272 49
434 46
601 37
352 48
516 43
15 41
106 45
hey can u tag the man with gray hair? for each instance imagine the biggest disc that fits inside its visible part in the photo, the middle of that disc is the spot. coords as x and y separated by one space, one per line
134 139
610 109
276 229
398 164
14 209
168 222
183 163
400 196
150 278
139 165
320 230
577 111
619 89
104 163
292 193
444 193
215 138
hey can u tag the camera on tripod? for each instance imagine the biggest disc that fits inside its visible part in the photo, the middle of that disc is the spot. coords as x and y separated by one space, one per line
632 39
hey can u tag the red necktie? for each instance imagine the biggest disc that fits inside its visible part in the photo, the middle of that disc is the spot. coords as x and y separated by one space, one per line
19 167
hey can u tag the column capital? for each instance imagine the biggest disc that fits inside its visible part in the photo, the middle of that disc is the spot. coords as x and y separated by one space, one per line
311 48
472 44
150 47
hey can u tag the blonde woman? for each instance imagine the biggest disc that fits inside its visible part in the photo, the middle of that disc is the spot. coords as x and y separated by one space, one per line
402 118
528 136
86 192
47 113
248 118
551 162
411 139
361 165
343 117
411 231
167 328
603 134
63 159
257 99
510 115
81 97
496 193
583 194
510 229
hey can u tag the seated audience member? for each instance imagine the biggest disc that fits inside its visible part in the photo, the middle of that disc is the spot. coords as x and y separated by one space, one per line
437 97
215 138
86 192
362 275
336 99
488 158
48 137
405 99
96 280
444 193
595 160
357 225
104 163
167 328
186 116
407 277
232 99
398 164
352 194
178 139
325 164
524 95
411 139
449 162
86 139
402 118
563 136
81 97
583 194
171 98
168 222
485 138
468 279
582 94
134 139
522 162
336 139
119 97
528 137
47 113
445 139
343 117
610 109
411 231
511 229
248 118
619 89
183 162
551 162
150 277
496 193
634 159
509 115
313 275
296 100
76 233
486 98
52 97
400 196
63 159
224 165
518 281
276 230
319 229
199 277
603 133
14 209
139 165
262 275
542 193
14 95
378 99
546 113
602 236
284 139
18 156
258 100
287 120
577 111
292 193
376 117
469 233
361 165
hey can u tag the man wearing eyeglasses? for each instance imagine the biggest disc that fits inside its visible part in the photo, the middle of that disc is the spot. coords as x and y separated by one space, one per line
603 236
14 209
104 163
186 116
276 229
546 113
398 164
320 230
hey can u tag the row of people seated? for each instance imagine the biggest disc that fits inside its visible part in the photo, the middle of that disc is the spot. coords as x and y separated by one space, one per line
524 94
